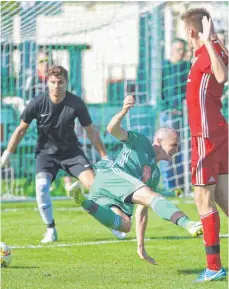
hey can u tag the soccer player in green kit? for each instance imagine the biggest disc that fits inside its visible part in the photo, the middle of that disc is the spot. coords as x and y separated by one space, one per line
132 178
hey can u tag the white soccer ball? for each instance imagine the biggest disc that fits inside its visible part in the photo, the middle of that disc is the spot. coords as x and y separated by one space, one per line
6 256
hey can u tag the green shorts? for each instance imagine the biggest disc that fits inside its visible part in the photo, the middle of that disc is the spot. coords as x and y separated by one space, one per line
111 187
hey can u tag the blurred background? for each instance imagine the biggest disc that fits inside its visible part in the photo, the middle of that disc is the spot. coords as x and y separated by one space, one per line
110 49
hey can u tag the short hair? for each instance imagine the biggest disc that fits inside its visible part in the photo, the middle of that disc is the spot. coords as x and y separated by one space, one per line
177 39
165 133
56 70
194 18
180 40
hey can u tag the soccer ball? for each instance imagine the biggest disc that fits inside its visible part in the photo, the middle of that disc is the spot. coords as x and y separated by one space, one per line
5 255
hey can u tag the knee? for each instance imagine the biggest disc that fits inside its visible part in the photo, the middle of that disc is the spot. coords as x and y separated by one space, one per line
202 197
126 223
43 184
42 189
86 178
88 184
127 227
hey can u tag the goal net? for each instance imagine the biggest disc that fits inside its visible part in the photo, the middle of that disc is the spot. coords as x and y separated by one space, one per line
110 49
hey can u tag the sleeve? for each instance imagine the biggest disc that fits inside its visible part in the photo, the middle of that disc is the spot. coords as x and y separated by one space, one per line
135 140
30 112
205 65
83 113
220 51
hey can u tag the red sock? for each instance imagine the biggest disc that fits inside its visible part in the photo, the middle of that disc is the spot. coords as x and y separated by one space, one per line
211 227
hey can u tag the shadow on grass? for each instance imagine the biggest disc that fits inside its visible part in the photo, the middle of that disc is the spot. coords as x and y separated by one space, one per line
190 271
131 239
23 267
194 271
172 238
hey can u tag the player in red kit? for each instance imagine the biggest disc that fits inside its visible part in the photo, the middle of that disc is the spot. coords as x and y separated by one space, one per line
209 132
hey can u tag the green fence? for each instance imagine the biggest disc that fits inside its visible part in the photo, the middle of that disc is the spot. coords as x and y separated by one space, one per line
158 85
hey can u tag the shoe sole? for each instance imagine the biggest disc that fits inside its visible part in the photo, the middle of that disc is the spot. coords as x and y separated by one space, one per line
211 280
199 232
75 193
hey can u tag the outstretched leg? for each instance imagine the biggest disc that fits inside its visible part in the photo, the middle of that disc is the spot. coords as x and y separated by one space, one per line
143 196
166 210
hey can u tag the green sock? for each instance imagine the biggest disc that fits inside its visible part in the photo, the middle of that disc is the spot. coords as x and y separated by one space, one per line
167 211
103 214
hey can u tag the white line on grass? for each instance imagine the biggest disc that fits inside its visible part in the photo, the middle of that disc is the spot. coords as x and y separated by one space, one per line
64 209
74 244
15 210
87 243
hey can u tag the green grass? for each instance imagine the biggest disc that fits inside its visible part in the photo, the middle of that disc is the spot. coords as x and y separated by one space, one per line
180 257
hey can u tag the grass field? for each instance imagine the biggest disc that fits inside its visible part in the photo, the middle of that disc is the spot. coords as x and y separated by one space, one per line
88 256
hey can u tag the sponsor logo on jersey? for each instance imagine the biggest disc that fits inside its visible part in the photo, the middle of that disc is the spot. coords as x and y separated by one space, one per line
211 180
146 173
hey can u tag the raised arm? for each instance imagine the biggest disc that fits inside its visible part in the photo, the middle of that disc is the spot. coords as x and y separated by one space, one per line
114 126
141 216
13 143
218 66
215 37
95 139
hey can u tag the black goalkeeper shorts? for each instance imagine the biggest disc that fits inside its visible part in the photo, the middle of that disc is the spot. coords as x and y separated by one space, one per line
73 165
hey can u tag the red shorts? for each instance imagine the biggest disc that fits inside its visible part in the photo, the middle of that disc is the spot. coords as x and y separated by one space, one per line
209 157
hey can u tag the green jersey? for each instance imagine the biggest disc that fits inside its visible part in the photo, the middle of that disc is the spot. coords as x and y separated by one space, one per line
137 158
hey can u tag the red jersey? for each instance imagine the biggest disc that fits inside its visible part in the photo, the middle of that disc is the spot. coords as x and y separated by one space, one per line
204 94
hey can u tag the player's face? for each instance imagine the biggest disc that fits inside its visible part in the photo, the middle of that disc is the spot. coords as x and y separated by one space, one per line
43 64
170 147
178 51
57 86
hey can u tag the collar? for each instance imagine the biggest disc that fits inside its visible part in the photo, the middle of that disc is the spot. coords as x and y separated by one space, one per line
199 50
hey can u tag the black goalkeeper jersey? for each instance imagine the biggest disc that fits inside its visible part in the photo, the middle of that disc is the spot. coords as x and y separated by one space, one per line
55 123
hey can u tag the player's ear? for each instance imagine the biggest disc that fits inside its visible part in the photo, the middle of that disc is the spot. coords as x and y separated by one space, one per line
159 141
192 33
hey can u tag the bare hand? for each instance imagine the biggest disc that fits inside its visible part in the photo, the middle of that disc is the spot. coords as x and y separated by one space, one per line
208 30
129 102
178 192
144 256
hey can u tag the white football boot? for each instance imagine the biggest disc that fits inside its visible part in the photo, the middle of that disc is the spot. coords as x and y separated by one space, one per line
118 234
50 236
195 228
